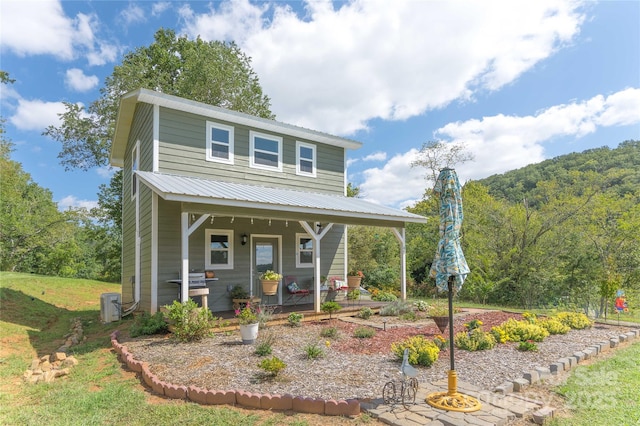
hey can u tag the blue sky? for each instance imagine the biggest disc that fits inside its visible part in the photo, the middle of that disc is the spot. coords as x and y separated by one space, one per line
515 82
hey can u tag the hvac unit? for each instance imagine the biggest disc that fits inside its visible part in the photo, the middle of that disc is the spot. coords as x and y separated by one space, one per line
110 307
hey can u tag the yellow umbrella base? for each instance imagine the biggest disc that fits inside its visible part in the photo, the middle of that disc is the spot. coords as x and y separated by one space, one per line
453 402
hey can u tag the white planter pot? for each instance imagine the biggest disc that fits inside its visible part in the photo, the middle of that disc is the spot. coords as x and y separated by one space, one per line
249 333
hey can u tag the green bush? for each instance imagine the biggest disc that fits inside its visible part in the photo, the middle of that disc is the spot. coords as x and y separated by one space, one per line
294 319
272 366
518 331
330 332
313 351
421 351
421 305
190 322
409 316
383 296
553 326
527 346
330 307
147 324
264 347
365 313
353 294
575 320
364 332
396 308
474 340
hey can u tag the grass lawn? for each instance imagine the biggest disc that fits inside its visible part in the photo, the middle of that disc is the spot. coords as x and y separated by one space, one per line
606 392
35 314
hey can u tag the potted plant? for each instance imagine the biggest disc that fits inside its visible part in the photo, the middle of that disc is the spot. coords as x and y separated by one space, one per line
248 321
439 313
270 280
354 278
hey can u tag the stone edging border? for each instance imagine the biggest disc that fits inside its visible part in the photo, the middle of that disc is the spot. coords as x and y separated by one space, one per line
563 364
329 407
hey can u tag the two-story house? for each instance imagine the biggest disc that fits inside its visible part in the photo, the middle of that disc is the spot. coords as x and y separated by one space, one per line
205 188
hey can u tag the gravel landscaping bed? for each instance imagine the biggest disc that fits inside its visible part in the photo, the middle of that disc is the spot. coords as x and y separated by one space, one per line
351 367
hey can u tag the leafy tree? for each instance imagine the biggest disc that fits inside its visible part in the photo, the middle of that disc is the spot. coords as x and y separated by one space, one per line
437 155
216 73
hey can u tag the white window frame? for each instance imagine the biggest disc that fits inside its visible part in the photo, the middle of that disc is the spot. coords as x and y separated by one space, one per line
135 165
207 252
252 151
299 170
211 125
298 251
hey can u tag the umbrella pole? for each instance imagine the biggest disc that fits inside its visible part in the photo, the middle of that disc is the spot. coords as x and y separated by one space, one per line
452 400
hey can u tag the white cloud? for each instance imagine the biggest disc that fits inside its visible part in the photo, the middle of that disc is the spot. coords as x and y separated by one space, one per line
501 143
132 14
396 183
381 59
376 156
29 27
72 201
160 7
36 114
105 171
77 80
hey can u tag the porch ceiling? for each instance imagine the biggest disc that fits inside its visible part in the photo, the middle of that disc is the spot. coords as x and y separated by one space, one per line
237 198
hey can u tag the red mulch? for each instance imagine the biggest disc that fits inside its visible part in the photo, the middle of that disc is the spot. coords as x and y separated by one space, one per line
381 342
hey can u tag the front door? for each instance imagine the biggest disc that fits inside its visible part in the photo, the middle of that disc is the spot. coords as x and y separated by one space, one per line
265 257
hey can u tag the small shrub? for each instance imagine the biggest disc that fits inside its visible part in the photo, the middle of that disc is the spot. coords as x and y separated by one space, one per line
383 296
313 351
518 331
147 324
474 340
473 324
553 326
396 308
575 320
330 307
365 313
294 319
265 314
272 366
238 292
191 323
409 316
441 342
353 294
330 332
364 332
530 317
421 305
528 346
265 346
421 351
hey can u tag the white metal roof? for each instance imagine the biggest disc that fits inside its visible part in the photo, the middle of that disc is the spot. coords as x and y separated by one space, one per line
221 193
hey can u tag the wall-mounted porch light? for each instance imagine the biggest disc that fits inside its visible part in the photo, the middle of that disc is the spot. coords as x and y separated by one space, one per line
243 239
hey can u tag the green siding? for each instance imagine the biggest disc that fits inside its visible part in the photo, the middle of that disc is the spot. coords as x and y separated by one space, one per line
183 152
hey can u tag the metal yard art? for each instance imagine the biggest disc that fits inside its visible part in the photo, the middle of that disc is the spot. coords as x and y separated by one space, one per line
450 269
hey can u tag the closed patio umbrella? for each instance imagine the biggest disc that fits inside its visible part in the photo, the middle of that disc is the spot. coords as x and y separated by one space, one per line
449 268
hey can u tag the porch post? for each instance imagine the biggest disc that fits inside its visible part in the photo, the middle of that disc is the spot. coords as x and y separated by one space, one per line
316 263
403 262
184 274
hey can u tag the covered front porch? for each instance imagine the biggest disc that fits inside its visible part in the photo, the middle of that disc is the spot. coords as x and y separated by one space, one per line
308 233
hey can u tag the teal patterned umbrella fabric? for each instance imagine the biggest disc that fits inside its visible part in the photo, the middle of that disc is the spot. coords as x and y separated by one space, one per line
449 260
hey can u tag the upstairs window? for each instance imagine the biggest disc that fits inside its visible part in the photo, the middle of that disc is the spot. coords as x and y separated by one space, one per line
305 159
265 151
218 249
219 143
304 251
135 160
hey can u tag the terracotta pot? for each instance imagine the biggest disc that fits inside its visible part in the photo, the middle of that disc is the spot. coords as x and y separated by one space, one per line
249 333
441 322
209 274
353 282
269 287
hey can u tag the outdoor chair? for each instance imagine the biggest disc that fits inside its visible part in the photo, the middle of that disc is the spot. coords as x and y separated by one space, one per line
294 292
